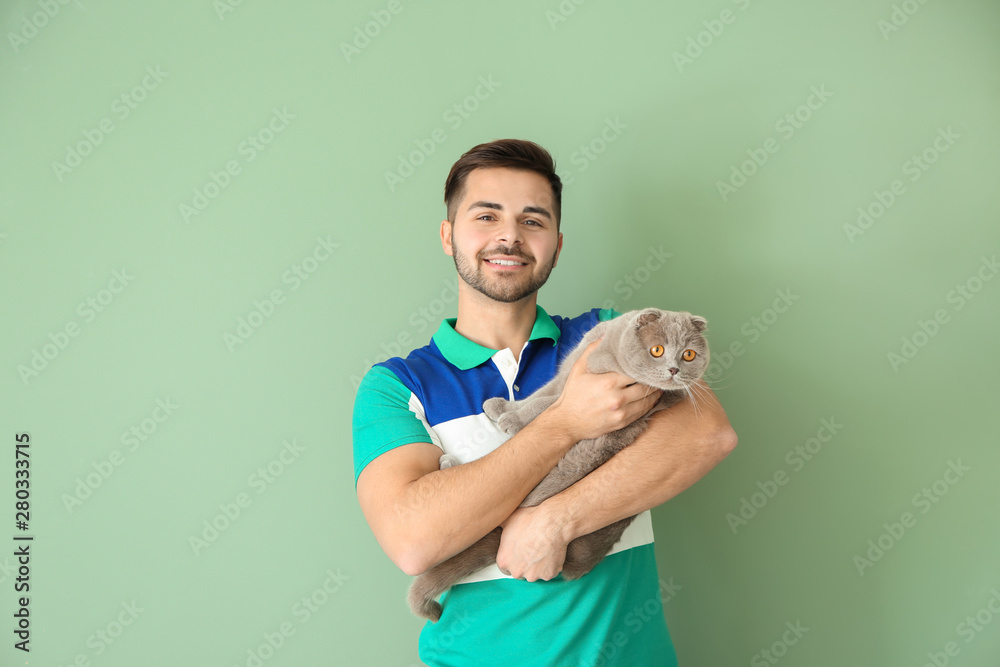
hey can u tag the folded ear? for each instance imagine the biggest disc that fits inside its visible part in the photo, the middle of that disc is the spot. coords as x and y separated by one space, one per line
647 316
700 323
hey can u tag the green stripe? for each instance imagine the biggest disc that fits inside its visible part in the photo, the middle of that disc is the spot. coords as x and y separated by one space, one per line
466 354
605 314
379 421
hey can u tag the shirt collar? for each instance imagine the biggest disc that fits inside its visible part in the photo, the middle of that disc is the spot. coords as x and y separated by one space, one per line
466 354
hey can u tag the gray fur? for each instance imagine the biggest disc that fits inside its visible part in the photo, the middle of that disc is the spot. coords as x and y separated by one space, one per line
626 348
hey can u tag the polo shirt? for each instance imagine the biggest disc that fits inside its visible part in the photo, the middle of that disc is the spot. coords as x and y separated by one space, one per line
613 615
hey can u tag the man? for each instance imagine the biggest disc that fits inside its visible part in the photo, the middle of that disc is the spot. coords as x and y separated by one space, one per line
504 202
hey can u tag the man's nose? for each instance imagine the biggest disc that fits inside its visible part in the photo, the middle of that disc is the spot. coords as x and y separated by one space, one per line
509 232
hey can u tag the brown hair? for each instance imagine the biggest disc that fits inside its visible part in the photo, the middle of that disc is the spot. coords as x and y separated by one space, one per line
510 153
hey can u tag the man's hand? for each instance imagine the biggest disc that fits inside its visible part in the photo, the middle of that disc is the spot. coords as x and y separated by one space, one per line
532 544
592 404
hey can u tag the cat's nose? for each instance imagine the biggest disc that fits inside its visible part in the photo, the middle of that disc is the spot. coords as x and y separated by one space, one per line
673 371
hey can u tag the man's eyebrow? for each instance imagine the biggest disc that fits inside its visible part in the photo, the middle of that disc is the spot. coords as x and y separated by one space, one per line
498 207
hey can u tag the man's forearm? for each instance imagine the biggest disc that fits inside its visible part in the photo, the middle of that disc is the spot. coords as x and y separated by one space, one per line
447 510
677 449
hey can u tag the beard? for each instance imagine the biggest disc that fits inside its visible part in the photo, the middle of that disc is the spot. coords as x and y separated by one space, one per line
502 287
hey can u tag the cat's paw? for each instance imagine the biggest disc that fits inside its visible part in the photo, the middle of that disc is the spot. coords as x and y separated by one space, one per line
447 461
509 422
495 407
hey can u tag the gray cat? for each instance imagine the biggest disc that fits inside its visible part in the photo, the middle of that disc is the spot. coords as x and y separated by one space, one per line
658 348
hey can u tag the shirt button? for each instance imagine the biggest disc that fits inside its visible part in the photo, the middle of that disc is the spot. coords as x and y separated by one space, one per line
516 388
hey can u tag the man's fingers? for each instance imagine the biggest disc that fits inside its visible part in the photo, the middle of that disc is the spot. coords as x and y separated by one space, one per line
640 392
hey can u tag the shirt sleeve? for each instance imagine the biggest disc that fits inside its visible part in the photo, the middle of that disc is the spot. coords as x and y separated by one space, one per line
383 418
605 314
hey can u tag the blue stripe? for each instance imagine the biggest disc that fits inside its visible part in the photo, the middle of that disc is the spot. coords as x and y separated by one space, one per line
447 392
382 420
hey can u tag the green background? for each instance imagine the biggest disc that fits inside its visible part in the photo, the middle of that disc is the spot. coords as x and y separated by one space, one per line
349 118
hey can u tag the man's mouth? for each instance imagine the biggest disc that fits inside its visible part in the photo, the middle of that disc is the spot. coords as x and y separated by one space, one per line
506 262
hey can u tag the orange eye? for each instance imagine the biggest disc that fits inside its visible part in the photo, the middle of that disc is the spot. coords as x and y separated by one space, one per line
689 355
656 350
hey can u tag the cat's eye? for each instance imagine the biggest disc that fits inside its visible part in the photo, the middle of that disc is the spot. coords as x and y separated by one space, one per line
656 351
689 355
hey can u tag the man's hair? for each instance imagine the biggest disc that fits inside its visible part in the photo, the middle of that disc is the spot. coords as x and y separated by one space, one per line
509 153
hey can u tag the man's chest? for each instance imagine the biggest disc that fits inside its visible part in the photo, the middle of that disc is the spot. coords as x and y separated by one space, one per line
453 406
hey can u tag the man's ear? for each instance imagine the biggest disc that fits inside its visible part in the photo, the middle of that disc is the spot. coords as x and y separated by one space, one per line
558 250
446 228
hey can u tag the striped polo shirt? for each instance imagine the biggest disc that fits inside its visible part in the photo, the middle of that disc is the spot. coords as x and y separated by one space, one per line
613 615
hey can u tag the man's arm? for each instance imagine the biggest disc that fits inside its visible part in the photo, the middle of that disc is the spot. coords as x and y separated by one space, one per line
679 447
421 515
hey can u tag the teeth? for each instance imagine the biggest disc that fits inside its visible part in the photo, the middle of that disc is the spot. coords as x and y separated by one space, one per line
503 262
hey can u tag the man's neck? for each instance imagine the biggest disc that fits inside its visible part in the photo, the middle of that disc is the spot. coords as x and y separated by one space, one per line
494 324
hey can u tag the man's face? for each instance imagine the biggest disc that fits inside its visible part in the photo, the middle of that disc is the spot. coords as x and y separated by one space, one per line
504 239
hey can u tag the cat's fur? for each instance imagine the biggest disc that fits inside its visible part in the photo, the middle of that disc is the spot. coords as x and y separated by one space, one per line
627 348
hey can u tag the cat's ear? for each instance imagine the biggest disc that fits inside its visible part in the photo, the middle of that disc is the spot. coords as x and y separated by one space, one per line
650 315
700 323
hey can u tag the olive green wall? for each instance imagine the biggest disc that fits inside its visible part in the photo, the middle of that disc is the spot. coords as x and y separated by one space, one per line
213 215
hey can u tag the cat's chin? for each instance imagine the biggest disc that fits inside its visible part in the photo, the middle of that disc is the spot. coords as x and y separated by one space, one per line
674 384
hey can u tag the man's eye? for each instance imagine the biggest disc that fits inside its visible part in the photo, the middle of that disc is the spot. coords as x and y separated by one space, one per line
484 216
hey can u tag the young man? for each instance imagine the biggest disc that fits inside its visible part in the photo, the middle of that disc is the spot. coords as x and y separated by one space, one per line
503 200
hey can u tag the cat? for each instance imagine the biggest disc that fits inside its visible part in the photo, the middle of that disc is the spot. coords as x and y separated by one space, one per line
659 348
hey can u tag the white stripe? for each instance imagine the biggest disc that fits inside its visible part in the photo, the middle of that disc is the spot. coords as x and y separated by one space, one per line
417 408
471 437
638 533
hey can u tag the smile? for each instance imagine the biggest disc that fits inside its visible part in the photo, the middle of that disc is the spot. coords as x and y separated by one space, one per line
505 262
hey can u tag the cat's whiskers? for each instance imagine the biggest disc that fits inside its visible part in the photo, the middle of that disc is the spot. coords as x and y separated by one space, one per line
691 394
696 387
714 382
